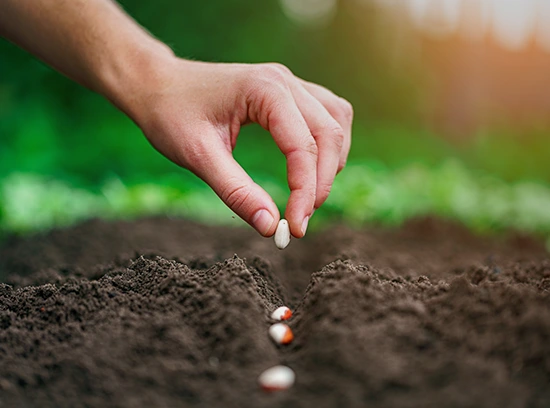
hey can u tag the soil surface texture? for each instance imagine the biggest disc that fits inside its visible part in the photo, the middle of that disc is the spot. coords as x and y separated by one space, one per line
169 313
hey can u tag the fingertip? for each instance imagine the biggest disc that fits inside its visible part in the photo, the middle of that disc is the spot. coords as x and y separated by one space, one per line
298 221
265 222
298 228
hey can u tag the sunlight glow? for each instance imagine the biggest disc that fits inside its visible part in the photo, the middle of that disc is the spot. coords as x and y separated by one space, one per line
514 22
419 11
312 12
437 17
543 26
451 12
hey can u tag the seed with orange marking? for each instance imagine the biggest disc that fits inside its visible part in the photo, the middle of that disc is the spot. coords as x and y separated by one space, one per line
277 378
281 333
281 313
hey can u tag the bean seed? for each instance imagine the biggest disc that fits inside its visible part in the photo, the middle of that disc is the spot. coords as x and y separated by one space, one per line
281 313
281 333
277 378
282 235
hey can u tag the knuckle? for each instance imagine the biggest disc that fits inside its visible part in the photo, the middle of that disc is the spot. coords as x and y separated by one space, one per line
310 147
305 146
266 85
235 195
274 73
331 135
271 107
280 67
347 108
338 137
191 156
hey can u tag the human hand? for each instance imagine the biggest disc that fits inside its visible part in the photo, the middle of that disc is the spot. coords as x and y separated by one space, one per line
192 113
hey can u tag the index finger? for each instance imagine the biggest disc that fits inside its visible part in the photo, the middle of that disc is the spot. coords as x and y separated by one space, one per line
280 115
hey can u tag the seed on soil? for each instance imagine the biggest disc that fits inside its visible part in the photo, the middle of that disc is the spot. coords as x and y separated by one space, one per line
281 313
282 235
281 333
277 378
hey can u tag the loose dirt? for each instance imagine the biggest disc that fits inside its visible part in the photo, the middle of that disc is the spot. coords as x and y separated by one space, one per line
168 313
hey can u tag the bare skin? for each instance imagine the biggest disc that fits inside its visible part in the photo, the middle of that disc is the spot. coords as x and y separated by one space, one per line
192 111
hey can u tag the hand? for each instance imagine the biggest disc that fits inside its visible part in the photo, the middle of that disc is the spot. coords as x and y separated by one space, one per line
192 113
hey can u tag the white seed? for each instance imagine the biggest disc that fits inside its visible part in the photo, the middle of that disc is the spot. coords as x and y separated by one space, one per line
281 313
277 378
282 235
281 333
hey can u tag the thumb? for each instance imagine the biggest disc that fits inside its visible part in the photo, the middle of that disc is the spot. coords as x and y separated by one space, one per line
219 169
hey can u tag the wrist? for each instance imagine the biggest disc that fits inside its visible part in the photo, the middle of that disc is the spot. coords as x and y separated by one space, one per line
134 76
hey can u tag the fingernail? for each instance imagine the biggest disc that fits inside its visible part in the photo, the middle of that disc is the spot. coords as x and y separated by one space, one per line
262 221
304 225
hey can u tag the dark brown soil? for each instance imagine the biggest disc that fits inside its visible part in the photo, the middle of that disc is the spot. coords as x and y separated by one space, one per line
169 313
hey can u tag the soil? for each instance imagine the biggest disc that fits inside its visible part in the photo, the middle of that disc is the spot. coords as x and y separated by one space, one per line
169 313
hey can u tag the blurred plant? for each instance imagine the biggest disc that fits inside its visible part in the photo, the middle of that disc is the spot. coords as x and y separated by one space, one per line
366 192
374 193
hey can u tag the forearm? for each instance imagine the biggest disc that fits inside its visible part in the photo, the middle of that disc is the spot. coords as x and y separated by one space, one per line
91 41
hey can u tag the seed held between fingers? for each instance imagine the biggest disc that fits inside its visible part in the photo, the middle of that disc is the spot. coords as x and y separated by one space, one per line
282 235
281 333
281 313
277 378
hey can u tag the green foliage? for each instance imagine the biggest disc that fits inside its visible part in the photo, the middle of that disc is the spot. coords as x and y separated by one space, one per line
373 193
33 202
366 192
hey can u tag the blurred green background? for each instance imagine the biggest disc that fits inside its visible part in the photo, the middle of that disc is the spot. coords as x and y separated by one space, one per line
446 122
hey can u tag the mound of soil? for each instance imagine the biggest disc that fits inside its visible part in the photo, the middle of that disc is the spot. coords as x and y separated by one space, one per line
164 313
